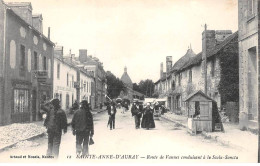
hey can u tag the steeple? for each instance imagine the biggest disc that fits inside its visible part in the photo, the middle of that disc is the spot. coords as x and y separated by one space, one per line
125 70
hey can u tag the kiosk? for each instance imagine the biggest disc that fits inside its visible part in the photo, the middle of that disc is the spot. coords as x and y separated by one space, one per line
202 113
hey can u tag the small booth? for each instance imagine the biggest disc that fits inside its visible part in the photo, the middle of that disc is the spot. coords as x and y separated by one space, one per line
202 113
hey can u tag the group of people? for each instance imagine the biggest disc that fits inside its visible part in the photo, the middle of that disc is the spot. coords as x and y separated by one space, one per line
56 122
143 115
82 123
146 114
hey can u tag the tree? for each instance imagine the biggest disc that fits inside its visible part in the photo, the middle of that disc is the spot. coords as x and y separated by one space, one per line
114 85
145 87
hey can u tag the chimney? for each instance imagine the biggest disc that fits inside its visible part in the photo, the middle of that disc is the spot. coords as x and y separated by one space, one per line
83 54
161 70
168 64
37 22
221 35
49 33
58 52
22 9
210 38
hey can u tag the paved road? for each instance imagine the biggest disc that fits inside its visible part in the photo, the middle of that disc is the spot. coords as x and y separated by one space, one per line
173 143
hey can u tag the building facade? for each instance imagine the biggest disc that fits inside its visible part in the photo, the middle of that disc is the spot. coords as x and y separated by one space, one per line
93 65
248 23
64 78
214 71
87 90
26 60
71 81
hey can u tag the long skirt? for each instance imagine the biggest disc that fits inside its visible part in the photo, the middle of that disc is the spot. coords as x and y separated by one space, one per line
148 121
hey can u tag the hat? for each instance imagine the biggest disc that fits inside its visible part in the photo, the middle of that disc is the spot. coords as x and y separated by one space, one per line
84 102
148 104
55 102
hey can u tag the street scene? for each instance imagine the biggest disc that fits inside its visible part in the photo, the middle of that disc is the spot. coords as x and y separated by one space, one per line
167 139
136 81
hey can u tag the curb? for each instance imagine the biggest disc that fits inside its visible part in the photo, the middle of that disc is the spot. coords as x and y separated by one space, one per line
26 139
207 135
174 121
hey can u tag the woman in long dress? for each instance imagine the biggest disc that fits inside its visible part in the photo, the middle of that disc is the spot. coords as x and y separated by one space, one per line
147 120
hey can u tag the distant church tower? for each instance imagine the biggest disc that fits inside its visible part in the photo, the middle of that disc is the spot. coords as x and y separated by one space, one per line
128 82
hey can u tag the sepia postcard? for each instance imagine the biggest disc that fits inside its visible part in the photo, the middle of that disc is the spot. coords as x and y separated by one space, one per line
129 81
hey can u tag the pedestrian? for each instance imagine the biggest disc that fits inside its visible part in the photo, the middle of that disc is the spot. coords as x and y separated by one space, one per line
55 122
136 113
123 108
112 115
83 127
147 120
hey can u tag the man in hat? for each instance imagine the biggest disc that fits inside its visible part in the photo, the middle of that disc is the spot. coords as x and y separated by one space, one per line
83 127
55 122
137 114
112 115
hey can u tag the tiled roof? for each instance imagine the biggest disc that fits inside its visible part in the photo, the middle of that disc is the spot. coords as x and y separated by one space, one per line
183 60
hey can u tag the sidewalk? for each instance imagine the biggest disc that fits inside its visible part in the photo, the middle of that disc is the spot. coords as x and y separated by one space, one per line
233 136
18 132
15 133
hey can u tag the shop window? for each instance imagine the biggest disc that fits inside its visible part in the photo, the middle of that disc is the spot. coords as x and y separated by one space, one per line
21 100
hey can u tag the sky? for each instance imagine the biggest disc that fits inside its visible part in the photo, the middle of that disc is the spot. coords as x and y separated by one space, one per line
138 34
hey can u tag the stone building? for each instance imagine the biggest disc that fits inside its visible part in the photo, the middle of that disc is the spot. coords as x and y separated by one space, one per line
190 74
217 46
26 63
248 23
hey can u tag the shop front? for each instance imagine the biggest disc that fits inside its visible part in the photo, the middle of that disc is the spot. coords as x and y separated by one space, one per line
21 101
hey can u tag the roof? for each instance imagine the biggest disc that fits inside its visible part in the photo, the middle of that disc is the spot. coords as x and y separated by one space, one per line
19 4
163 79
198 58
30 26
125 78
74 64
198 92
184 59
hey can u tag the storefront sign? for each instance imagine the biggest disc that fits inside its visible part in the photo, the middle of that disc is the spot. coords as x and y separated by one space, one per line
41 76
